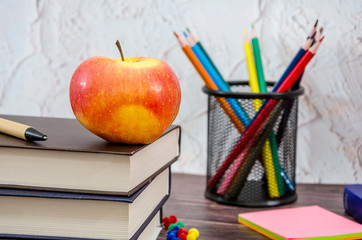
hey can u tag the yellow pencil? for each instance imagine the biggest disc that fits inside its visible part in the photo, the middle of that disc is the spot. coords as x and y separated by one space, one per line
267 154
253 81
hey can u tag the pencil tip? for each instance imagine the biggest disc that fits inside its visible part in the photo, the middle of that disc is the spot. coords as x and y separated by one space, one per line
185 34
321 30
176 34
252 26
244 31
188 30
313 35
45 137
320 40
316 23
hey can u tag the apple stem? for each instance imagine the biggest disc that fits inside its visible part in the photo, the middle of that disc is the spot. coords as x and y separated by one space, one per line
120 49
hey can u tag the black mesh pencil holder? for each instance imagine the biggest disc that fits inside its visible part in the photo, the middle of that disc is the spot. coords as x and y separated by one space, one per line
251 146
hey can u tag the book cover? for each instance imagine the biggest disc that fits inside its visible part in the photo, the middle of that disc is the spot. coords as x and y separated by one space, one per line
75 160
53 215
352 201
310 222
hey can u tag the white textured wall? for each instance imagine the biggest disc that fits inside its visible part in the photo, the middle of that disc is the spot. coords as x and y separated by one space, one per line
42 43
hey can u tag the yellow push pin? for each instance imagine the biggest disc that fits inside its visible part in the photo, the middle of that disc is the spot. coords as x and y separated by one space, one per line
195 231
191 236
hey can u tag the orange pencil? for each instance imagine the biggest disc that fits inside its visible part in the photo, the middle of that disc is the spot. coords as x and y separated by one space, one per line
210 84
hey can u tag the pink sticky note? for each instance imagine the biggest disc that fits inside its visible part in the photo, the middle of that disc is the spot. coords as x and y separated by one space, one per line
303 222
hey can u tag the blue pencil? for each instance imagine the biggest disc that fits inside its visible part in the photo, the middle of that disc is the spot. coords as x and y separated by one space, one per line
219 82
292 64
297 57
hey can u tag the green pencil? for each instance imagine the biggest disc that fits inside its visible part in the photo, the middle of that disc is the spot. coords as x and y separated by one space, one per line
258 62
263 88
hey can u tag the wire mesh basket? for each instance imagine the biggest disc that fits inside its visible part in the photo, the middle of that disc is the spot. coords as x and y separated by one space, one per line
253 166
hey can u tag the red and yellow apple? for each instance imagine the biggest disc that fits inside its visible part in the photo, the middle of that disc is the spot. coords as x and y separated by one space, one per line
129 101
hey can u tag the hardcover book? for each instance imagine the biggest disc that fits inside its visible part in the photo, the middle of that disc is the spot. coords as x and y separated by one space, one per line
352 201
62 215
75 160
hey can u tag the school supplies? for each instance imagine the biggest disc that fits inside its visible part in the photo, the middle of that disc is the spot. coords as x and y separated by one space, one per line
305 46
198 43
253 81
219 81
258 61
257 84
274 171
210 84
75 185
236 177
33 214
231 171
75 160
20 130
263 114
310 222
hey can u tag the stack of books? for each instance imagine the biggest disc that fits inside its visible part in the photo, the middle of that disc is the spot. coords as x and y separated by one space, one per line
77 186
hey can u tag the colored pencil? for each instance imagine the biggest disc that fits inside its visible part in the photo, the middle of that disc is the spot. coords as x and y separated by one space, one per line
275 167
250 152
288 108
299 67
311 35
258 121
245 167
210 84
219 82
208 65
292 64
255 82
212 71
289 105
314 29
263 114
198 43
258 61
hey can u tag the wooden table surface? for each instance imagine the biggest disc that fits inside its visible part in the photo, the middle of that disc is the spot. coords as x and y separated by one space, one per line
218 222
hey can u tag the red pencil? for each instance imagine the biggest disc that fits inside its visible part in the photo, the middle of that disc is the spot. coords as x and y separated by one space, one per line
298 69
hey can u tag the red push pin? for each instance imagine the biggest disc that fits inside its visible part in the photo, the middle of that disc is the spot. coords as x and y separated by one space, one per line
173 219
182 236
182 230
166 222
